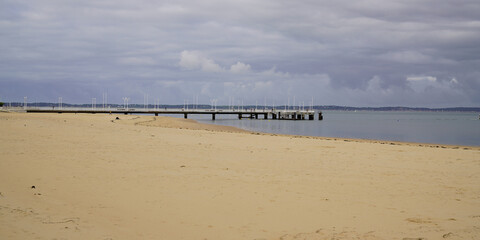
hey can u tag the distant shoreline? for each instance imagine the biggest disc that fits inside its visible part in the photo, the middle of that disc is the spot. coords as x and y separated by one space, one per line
206 106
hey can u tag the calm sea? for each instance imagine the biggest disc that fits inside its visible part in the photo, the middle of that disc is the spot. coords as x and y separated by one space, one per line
422 127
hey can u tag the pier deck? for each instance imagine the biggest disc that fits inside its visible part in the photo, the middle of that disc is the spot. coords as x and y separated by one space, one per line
241 113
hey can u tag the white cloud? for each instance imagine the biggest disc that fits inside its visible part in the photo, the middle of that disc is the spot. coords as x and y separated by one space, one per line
374 83
274 73
420 84
193 60
240 67
422 78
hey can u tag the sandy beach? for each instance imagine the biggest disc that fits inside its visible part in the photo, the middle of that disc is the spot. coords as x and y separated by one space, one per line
78 176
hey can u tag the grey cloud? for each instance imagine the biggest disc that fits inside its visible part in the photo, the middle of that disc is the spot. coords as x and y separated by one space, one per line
339 52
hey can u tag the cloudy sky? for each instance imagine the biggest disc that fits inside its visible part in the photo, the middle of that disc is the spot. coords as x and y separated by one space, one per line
419 53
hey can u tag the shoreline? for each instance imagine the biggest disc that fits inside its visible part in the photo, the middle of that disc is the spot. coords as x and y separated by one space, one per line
83 176
390 142
226 128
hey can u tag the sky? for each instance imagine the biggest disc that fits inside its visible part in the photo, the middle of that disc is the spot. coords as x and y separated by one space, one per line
414 53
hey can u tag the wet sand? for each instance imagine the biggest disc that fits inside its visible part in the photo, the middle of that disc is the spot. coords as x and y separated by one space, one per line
78 176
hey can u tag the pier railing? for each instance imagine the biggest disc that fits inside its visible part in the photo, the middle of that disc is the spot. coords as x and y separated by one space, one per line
279 114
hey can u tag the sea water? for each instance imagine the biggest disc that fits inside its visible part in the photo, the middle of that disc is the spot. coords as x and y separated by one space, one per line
455 128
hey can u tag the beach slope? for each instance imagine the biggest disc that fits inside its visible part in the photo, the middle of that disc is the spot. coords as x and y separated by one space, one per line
77 176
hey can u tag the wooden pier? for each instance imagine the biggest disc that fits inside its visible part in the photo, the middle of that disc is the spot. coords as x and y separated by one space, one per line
275 114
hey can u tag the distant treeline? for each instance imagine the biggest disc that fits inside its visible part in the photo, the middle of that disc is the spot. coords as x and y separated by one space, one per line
451 109
206 106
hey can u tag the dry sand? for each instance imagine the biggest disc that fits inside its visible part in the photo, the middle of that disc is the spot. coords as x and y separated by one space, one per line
163 178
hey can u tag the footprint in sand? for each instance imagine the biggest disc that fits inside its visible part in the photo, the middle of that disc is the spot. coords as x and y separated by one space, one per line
418 220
